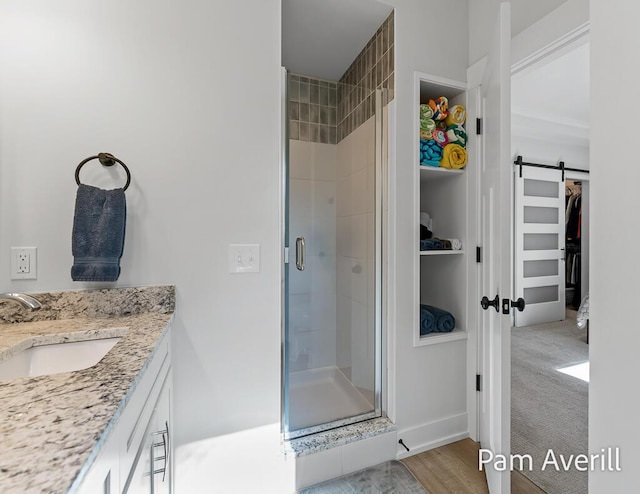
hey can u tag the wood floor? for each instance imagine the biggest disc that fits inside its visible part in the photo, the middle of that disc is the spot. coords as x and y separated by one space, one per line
453 469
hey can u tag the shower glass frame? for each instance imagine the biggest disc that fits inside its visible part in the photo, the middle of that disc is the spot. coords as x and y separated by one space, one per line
289 256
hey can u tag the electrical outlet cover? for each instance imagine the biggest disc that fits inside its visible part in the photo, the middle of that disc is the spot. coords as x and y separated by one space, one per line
24 263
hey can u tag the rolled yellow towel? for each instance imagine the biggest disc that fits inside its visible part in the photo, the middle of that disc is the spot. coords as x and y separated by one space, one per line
456 116
426 134
453 156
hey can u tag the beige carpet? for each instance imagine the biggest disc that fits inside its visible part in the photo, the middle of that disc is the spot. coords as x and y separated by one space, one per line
549 409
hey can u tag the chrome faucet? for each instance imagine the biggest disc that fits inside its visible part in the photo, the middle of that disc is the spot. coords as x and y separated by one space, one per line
26 301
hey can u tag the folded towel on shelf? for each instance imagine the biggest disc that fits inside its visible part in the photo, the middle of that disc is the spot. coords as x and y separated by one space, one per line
439 106
430 152
426 135
430 244
441 124
446 244
440 136
425 111
426 226
457 135
454 156
427 322
444 321
427 124
97 239
456 115
456 244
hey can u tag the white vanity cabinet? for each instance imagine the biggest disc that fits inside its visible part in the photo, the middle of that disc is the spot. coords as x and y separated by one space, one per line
141 440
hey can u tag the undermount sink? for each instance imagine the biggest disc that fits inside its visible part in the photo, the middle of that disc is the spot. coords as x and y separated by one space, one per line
55 358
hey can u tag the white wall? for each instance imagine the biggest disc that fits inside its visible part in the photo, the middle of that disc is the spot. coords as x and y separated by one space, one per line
614 337
187 94
417 403
312 292
550 151
482 16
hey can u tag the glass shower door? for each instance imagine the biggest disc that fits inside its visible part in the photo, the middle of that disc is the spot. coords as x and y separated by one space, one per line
331 361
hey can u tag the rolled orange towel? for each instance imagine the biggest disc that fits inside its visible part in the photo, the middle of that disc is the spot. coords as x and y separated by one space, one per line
439 106
454 156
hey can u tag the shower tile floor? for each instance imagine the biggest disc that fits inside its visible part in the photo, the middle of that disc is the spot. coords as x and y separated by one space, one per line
318 396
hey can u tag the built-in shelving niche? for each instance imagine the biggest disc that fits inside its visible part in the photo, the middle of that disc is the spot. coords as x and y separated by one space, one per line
443 194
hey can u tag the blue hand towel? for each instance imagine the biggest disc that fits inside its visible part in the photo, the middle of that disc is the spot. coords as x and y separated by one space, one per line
427 322
97 239
444 321
431 244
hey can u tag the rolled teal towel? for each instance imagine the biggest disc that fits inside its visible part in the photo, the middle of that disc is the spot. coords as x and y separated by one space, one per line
427 322
445 322
430 152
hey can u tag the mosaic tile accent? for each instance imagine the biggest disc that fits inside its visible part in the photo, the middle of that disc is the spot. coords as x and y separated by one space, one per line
372 69
312 109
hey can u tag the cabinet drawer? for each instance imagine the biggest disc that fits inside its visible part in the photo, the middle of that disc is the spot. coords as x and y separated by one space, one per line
137 413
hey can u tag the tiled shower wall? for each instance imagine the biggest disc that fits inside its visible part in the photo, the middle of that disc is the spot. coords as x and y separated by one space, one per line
328 111
372 69
312 109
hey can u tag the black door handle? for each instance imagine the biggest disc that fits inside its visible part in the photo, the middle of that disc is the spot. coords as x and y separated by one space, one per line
507 304
485 303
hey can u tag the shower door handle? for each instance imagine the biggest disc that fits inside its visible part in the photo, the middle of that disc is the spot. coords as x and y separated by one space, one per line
300 253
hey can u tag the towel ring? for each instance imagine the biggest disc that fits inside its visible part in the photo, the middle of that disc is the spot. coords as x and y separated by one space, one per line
106 159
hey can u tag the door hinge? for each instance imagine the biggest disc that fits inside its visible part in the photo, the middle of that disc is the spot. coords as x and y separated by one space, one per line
478 254
478 381
286 255
478 126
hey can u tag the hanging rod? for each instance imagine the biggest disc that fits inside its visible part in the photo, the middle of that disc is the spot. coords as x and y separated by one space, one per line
560 166
106 159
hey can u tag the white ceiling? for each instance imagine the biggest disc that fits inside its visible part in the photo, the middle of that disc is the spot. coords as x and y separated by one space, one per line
321 38
556 92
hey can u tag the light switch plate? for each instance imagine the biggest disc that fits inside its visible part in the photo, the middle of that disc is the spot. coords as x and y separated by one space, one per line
244 258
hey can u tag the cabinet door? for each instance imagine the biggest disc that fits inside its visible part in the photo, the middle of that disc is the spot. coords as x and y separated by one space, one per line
102 477
162 442
140 479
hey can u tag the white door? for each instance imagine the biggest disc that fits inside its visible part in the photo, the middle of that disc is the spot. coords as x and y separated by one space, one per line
539 245
496 268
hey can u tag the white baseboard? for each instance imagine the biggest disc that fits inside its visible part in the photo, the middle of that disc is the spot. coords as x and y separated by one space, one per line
432 435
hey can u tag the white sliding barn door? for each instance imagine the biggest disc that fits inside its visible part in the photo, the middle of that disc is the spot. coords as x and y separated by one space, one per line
539 245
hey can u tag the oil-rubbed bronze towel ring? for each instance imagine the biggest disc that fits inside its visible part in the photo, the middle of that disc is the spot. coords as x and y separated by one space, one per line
106 159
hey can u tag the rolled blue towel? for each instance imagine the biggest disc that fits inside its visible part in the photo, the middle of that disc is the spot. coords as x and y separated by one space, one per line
445 322
97 239
431 244
427 322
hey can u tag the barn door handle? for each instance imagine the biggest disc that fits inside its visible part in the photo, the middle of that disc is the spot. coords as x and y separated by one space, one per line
300 253
486 303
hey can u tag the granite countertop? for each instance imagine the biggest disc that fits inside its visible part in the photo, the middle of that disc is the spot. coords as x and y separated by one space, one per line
50 426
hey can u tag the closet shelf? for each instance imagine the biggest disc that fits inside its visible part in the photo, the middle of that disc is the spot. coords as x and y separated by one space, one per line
437 338
440 252
428 173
